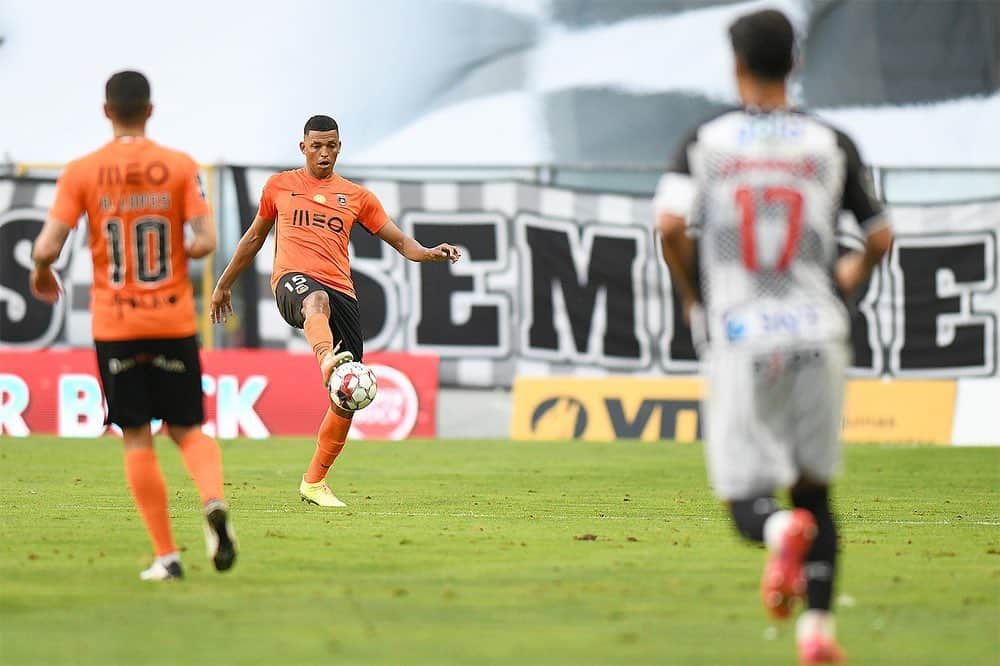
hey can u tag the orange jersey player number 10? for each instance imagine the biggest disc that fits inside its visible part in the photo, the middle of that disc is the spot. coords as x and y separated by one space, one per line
151 246
137 196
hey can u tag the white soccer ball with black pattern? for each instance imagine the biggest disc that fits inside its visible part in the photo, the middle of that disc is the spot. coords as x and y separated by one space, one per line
352 386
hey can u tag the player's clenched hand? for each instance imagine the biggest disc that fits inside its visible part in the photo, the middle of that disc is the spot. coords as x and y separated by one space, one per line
45 285
222 305
444 252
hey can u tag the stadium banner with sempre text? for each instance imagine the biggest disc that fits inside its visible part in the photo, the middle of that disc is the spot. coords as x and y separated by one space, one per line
669 408
248 393
552 281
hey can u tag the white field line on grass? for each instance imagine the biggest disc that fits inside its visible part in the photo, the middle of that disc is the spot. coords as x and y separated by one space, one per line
706 519
495 516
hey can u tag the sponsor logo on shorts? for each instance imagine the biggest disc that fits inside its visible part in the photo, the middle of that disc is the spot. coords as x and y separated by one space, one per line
116 366
174 365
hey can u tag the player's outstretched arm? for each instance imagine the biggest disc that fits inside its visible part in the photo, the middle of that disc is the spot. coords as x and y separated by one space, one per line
43 281
246 250
413 250
678 252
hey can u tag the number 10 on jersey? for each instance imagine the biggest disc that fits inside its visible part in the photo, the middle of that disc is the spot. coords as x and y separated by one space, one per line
150 256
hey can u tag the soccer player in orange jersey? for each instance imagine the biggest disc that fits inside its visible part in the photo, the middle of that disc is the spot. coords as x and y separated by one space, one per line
313 211
138 196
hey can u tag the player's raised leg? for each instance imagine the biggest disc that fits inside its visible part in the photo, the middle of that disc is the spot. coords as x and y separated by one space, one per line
203 461
316 325
329 443
149 490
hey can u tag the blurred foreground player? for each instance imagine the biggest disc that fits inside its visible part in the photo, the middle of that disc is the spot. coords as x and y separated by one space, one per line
313 211
138 195
757 192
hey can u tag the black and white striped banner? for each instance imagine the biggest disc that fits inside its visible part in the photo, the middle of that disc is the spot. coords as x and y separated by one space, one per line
552 281
559 282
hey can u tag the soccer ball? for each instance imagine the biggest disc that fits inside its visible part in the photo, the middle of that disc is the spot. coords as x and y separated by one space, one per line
352 386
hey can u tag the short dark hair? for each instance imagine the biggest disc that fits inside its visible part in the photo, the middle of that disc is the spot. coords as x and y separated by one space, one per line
320 124
127 94
765 42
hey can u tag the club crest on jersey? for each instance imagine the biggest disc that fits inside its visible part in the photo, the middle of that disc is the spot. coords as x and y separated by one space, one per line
319 198
342 199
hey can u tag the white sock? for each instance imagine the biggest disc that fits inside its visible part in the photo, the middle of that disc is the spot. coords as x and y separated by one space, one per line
814 622
774 528
168 558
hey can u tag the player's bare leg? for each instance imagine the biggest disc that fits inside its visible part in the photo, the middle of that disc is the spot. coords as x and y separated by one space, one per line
815 629
316 314
203 461
145 480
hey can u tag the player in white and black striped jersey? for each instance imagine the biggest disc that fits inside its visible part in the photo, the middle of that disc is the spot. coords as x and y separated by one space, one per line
748 214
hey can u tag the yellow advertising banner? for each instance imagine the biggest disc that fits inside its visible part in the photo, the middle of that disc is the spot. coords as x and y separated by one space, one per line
607 408
899 410
659 408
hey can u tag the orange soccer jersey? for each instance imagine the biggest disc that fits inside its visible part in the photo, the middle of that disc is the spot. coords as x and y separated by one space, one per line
137 196
313 221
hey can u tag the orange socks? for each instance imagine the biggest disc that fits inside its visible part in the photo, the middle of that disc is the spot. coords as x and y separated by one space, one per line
333 431
318 334
203 461
332 435
142 471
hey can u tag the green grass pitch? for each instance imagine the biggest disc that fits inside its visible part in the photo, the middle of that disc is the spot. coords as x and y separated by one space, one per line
477 552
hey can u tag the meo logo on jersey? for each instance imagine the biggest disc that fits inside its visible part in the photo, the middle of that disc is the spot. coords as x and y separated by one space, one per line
307 218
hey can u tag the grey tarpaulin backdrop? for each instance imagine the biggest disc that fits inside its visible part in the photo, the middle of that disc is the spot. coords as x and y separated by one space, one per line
855 53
